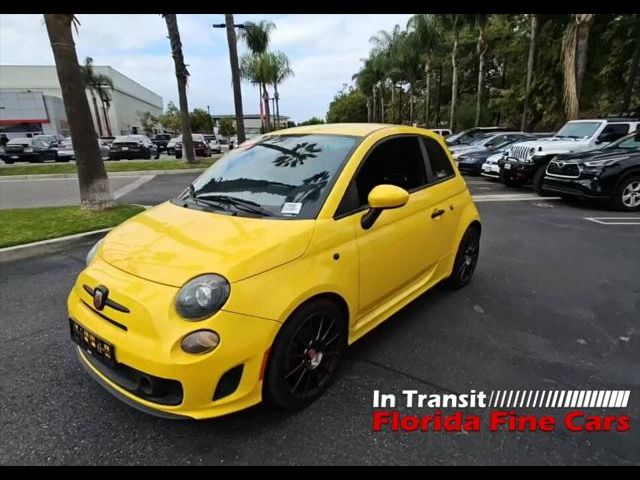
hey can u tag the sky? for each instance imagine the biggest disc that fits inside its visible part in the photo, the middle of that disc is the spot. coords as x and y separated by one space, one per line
324 51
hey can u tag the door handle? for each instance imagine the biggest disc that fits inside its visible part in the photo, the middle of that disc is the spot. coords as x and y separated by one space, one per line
437 213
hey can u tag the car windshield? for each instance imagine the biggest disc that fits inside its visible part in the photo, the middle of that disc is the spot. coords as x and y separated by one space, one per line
282 175
502 145
129 139
482 139
578 129
630 142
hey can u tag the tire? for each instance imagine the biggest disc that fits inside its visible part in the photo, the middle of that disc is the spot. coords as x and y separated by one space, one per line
466 259
315 332
9 162
147 155
504 178
626 195
178 156
538 176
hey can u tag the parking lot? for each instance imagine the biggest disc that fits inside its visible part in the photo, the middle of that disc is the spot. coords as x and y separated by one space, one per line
554 304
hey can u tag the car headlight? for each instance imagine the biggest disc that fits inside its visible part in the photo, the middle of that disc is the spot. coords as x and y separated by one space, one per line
202 296
601 163
92 253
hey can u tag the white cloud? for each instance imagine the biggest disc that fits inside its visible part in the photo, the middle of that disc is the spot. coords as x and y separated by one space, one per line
325 51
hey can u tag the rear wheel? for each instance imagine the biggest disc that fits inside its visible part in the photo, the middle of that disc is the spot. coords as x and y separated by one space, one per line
626 196
178 156
466 259
305 355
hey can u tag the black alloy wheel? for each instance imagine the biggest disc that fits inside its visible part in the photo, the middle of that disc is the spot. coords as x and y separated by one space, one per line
466 259
305 355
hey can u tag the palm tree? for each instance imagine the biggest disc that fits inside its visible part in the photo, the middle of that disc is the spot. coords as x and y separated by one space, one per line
182 75
259 68
257 37
453 22
481 48
95 190
281 71
533 44
427 33
98 83
574 60
633 72
235 75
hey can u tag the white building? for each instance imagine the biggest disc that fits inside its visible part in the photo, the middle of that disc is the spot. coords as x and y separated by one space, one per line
117 116
253 123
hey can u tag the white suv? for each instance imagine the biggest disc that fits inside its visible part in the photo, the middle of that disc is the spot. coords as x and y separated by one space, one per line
526 161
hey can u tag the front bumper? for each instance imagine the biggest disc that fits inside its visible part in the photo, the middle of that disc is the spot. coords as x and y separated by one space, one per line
147 342
518 171
575 187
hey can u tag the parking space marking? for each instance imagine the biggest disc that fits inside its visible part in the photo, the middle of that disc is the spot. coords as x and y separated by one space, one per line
121 192
614 220
510 197
48 179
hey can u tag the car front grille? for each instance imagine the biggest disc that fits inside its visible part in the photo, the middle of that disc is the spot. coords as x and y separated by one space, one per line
519 152
562 169
14 148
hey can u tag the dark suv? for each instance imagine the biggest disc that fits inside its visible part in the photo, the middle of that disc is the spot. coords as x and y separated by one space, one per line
611 173
161 140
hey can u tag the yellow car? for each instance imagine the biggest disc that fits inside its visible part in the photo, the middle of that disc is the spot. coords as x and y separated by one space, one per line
250 284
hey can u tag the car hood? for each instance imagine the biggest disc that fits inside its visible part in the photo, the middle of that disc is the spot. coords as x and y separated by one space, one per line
170 244
553 143
460 149
598 154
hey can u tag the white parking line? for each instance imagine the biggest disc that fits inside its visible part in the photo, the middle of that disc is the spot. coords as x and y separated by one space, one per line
121 192
73 179
614 220
510 197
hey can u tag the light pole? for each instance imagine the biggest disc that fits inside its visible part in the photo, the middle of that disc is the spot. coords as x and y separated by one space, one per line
230 25
210 120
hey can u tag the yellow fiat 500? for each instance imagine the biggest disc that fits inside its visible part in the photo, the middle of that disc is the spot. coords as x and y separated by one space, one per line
250 284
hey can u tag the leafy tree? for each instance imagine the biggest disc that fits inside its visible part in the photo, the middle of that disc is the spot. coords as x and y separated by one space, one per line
148 121
312 121
348 106
171 119
226 128
200 120
98 84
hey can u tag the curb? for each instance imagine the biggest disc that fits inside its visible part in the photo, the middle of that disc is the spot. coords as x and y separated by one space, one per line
20 252
110 174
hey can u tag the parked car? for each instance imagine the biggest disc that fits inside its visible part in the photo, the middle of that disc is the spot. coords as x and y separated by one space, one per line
443 132
171 146
66 152
252 282
467 136
472 161
161 140
200 146
484 141
107 140
611 173
133 146
34 150
527 161
214 144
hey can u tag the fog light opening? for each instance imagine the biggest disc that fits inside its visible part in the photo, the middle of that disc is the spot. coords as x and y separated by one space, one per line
200 341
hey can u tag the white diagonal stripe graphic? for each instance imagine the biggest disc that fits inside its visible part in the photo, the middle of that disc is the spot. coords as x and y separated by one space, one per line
535 399
580 402
491 398
561 397
555 399
529 397
515 399
619 399
600 398
625 398
594 397
509 401
613 399
548 393
567 400
587 398
607 397
504 397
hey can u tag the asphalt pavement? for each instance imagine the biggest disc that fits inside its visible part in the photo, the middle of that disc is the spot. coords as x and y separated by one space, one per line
554 305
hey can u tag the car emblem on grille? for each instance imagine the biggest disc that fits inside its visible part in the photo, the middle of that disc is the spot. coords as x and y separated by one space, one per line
561 164
100 296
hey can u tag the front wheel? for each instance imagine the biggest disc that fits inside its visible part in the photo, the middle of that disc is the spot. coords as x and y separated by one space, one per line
178 156
305 355
466 259
506 179
626 196
538 177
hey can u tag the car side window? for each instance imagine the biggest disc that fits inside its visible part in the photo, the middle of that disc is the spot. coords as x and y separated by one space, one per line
614 131
438 160
397 161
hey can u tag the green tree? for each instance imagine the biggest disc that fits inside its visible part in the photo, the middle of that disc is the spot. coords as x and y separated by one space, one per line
148 121
348 106
226 128
281 71
98 84
95 190
171 119
200 120
235 74
312 121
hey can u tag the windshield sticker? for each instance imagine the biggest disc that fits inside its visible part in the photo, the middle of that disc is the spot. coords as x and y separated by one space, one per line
291 208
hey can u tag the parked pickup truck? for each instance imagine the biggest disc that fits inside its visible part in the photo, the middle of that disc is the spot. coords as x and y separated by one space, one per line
527 161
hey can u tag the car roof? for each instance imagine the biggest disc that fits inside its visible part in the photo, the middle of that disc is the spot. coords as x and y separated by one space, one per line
20 139
354 129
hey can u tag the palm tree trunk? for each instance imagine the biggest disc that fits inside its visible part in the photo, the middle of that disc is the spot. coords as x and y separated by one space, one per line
411 106
267 110
393 103
454 82
533 43
375 105
439 96
381 105
181 76
482 50
633 75
96 111
95 190
427 94
235 75
105 113
276 95
584 20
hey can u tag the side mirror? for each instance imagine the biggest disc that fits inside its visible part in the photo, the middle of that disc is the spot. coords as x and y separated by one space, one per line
383 197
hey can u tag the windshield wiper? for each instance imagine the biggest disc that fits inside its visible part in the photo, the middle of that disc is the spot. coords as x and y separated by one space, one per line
239 203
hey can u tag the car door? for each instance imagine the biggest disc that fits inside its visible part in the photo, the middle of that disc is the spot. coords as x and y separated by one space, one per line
394 254
445 193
